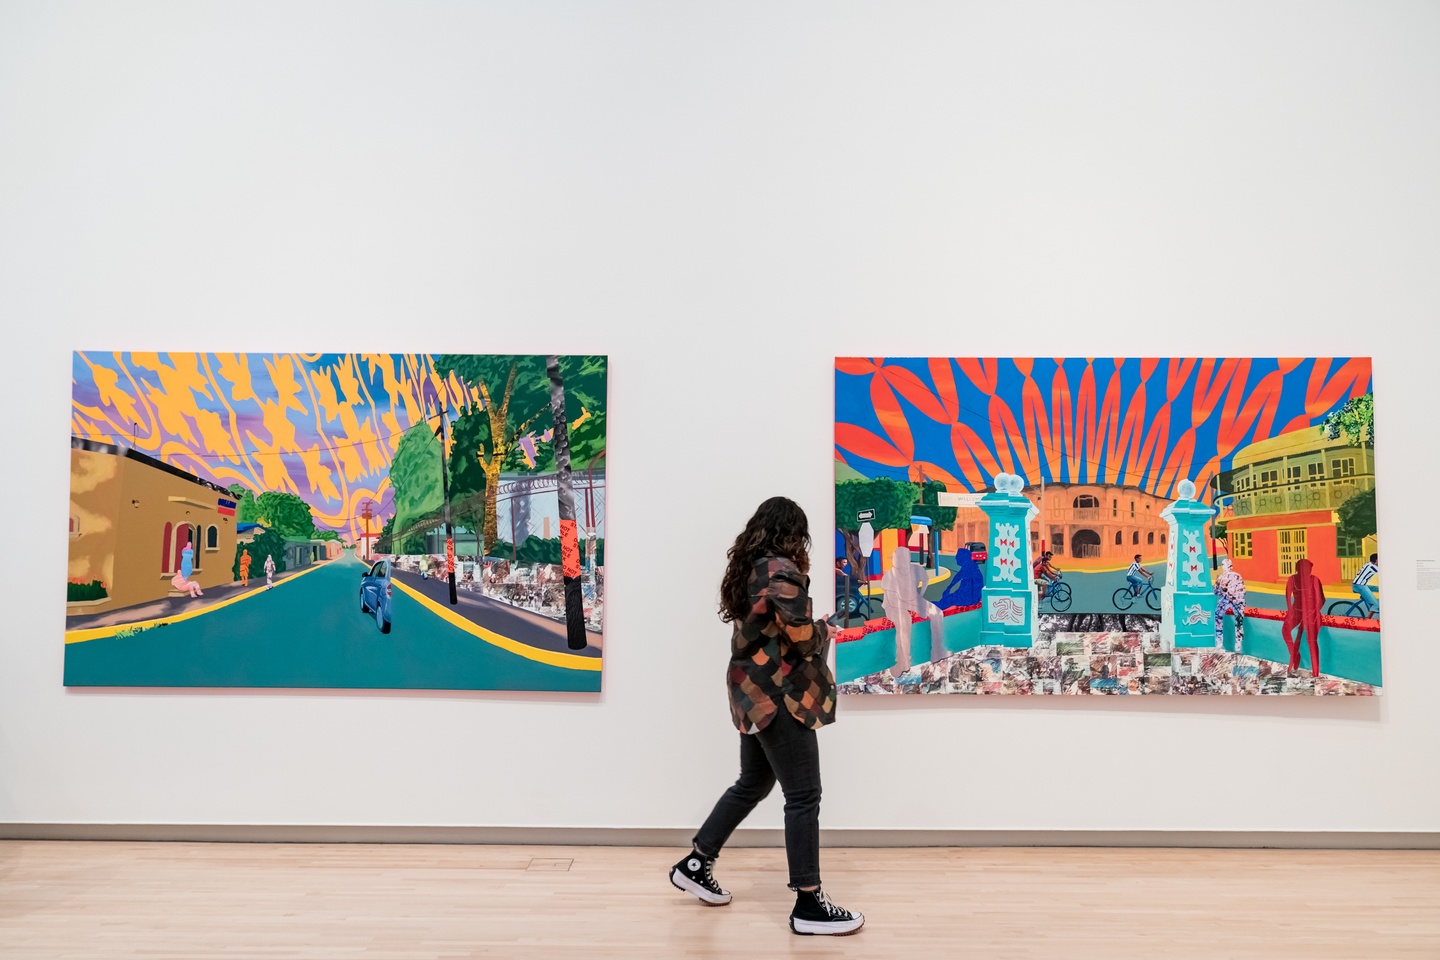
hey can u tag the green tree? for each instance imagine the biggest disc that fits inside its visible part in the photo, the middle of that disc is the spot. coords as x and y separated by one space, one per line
1357 516
286 514
929 502
1356 420
415 475
385 543
587 441
515 392
246 510
892 500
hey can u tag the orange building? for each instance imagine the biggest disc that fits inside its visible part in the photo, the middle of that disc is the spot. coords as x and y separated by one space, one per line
1081 521
131 518
1287 490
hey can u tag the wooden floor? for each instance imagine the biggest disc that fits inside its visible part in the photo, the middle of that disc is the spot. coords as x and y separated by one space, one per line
191 900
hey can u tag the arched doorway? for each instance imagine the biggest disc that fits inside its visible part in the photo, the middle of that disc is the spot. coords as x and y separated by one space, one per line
1085 543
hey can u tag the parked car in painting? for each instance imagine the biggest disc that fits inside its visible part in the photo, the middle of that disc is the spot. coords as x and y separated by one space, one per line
375 592
979 550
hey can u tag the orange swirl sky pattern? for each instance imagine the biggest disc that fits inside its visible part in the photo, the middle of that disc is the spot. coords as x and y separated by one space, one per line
322 426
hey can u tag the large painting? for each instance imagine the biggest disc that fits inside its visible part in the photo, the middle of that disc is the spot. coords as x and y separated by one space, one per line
336 520
1106 526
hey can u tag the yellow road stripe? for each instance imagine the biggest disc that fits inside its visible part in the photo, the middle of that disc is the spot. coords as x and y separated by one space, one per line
97 633
568 661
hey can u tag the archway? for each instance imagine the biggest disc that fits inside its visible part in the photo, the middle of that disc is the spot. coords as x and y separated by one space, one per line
1085 543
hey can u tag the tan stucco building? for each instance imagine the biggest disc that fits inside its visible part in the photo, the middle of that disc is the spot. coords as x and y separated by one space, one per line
131 517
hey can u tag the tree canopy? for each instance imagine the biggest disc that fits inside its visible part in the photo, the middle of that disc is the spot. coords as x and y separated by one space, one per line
892 500
1356 420
929 504
1357 516
415 475
286 514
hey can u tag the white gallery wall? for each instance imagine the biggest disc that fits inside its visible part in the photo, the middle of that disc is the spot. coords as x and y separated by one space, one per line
722 197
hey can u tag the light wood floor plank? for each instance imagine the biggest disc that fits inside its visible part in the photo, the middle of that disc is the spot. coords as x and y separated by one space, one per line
61 900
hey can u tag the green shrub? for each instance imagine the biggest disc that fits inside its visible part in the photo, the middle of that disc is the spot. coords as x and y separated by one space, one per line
78 590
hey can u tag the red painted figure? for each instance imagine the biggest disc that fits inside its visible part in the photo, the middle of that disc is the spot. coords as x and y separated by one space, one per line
1304 599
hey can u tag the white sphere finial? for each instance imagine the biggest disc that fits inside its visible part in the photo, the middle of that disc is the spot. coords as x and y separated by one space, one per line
1187 490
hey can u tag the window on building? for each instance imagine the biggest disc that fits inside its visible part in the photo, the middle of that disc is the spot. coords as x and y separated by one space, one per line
1240 546
1292 549
1269 478
166 543
1057 541
1087 502
1135 538
1344 467
1119 538
1132 508
212 538
74 526
1317 471
1348 547
1162 538
1114 508
1150 538
1292 474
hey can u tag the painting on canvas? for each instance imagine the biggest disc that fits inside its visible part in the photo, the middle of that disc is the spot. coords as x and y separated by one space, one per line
1107 527
336 520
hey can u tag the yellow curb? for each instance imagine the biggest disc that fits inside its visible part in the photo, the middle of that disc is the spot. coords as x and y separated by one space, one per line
98 633
567 661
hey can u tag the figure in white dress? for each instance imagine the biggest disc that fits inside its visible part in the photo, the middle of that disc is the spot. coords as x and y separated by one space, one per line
904 585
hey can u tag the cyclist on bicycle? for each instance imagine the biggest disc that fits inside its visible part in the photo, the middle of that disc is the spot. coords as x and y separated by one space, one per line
1138 577
1361 584
1045 573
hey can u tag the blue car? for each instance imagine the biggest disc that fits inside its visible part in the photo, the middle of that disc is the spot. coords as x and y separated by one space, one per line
375 594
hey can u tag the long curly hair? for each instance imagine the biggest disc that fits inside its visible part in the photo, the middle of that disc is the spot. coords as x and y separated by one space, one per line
778 529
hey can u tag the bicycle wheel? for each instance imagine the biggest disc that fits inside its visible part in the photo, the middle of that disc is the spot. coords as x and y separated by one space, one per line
1122 598
1348 608
1152 598
1059 597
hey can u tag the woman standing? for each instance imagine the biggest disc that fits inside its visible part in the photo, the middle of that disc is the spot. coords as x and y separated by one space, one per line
781 692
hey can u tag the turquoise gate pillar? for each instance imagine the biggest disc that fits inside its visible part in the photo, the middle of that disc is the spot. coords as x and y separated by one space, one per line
1187 601
1007 600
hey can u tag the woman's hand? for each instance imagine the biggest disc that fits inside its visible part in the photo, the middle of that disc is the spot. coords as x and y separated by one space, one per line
831 630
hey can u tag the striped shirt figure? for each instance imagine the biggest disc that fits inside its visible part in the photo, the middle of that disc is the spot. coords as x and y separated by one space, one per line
1361 583
1136 576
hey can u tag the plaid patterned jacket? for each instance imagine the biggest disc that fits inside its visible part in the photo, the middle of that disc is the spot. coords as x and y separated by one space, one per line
778 654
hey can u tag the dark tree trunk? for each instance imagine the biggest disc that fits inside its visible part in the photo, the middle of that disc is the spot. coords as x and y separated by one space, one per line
569 535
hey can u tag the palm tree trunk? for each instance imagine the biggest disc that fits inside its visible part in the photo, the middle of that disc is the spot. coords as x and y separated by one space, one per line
569 537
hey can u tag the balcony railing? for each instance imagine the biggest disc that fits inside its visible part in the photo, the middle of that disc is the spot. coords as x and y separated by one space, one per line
1297 497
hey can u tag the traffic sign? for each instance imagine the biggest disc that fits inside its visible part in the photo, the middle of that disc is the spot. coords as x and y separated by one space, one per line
867 539
864 515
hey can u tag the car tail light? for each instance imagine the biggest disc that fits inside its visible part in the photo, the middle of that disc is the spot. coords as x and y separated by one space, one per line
388 594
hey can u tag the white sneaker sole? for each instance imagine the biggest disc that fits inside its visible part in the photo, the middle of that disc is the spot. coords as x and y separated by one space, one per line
682 882
827 928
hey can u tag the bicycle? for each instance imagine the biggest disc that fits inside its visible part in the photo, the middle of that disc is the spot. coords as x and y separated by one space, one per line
1058 596
1125 597
1356 608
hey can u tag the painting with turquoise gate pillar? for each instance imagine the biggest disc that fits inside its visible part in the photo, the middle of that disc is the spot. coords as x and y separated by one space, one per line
1187 601
1007 601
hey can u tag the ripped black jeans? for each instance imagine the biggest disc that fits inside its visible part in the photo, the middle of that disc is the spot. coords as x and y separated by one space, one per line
787 751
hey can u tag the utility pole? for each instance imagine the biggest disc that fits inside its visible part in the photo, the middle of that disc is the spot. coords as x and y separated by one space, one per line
443 433
569 537
365 512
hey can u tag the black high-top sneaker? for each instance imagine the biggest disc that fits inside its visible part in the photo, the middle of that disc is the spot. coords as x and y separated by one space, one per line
815 914
695 875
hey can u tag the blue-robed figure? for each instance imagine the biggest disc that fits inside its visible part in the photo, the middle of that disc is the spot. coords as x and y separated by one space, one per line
964 588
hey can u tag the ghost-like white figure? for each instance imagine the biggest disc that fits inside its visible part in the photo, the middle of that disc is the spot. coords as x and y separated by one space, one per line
904 585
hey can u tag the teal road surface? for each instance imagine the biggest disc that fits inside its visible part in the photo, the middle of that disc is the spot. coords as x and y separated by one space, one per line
309 632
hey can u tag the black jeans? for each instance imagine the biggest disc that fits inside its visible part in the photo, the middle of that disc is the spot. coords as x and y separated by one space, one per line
787 751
